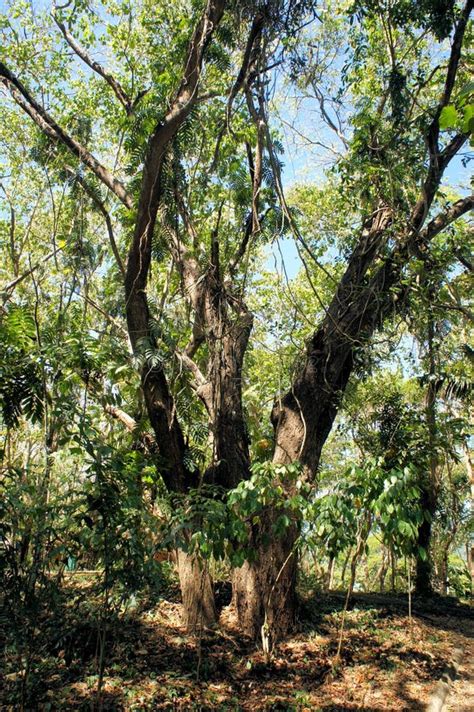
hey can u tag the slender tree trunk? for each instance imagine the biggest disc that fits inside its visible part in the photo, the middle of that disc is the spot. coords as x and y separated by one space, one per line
382 572
317 569
363 533
429 484
344 567
443 572
470 564
469 545
332 563
424 565
393 570
366 582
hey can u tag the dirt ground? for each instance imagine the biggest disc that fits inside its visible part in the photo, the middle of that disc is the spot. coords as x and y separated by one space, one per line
461 696
388 661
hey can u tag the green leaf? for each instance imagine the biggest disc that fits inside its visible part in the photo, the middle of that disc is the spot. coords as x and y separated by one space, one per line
404 528
448 117
467 120
422 553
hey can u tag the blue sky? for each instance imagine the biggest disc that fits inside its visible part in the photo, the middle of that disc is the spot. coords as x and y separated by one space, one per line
304 163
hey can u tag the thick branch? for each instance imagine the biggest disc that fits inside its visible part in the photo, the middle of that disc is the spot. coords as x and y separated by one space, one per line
119 414
186 96
159 402
455 55
47 124
304 416
445 218
145 441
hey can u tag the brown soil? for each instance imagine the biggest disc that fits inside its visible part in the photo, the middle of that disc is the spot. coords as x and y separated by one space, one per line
388 662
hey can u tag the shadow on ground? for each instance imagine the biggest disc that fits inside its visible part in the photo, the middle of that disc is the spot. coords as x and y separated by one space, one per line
150 664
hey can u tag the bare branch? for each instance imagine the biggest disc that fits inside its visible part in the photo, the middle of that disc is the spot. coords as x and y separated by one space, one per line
104 313
119 414
455 307
328 120
145 440
247 61
8 288
117 88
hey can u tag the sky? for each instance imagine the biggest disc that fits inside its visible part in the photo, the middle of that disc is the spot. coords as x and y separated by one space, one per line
307 163
304 162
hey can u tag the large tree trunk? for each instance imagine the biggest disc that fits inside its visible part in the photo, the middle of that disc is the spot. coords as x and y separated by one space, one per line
424 567
197 593
302 421
304 416
264 590
230 326
199 610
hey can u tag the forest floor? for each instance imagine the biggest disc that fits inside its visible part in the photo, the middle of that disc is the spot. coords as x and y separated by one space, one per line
388 661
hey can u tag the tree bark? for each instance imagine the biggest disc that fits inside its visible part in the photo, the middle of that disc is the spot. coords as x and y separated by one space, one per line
443 571
264 590
393 570
303 417
196 586
424 566
382 572
470 564
199 610
330 576
229 327
429 483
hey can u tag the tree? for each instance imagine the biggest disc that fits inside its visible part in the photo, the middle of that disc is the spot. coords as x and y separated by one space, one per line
208 205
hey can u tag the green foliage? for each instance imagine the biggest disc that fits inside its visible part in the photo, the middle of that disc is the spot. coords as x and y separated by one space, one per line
437 16
118 528
213 523
21 383
459 578
388 498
